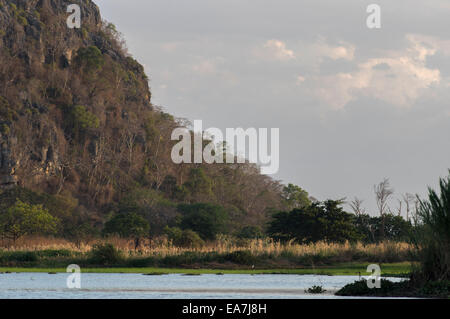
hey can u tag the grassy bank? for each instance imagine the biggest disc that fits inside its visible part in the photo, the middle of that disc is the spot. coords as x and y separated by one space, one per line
350 269
221 254
107 256
432 289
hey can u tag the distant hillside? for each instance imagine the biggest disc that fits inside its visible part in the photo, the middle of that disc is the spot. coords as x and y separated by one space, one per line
78 131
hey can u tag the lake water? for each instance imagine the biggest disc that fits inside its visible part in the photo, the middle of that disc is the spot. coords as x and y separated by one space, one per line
175 286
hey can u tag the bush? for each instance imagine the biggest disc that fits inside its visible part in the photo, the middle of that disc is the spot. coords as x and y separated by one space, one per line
241 257
19 256
51 253
184 238
90 58
105 254
250 232
315 290
388 288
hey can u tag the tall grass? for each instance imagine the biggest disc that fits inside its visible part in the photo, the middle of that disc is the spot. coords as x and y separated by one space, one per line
161 247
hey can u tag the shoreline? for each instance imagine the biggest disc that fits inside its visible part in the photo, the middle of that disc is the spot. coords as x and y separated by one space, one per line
348 269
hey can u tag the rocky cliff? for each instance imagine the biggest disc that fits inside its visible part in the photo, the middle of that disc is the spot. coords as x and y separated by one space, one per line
77 122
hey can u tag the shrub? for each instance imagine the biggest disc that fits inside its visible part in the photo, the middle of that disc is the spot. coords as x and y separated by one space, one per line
90 59
105 254
250 232
19 256
241 257
315 290
184 238
84 119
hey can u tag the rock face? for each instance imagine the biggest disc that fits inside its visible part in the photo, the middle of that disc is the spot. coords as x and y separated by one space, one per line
60 106
7 166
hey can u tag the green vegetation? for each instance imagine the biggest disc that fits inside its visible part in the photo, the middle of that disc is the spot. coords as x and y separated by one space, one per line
207 220
295 197
405 288
433 237
184 238
24 219
338 270
320 221
315 290
327 221
90 59
128 226
431 277
105 254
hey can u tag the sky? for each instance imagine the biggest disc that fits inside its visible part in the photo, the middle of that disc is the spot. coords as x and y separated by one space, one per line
354 105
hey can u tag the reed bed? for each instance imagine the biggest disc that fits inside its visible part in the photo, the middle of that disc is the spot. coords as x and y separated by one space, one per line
161 247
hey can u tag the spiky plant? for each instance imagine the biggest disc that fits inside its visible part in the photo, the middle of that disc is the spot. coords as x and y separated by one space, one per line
433 234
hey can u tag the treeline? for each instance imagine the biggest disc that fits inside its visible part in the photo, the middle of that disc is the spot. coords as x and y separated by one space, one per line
328 222
192 225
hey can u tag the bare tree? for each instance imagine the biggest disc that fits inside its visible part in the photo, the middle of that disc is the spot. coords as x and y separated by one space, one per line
410 201
400 207
383 192
356 205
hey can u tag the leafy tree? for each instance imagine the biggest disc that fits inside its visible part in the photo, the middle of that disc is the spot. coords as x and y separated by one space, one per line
24 219
371 228
90 58
199 183
83 119
208 220
338 224
151 205
127 226
295 197
320 221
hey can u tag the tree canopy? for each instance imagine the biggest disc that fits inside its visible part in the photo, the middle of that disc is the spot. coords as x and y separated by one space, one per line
25 219
207 220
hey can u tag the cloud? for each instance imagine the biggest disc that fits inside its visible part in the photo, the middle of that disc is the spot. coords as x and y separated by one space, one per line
399 78
342 51
208 66
300 79
170 47
275 50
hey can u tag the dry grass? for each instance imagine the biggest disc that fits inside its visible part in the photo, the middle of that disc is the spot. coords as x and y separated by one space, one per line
161 247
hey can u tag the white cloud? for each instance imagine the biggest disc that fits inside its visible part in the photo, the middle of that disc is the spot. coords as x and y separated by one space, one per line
275 50
342 51
399 78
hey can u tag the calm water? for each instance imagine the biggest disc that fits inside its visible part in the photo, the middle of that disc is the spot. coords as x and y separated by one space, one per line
103 286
